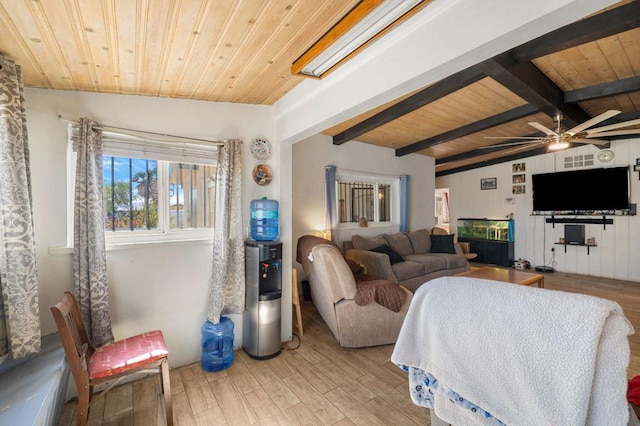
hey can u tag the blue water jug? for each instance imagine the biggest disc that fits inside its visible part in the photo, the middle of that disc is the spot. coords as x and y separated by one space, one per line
265 224
217 345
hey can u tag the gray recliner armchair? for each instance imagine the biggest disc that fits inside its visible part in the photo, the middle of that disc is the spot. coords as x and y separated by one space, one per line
333 291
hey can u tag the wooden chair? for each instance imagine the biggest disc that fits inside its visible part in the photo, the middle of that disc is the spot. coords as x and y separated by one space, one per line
114 361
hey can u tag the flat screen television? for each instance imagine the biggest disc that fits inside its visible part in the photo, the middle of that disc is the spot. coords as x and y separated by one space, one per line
582 191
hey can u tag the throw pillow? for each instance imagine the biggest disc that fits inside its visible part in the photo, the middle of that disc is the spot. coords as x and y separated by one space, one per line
393 256
442 244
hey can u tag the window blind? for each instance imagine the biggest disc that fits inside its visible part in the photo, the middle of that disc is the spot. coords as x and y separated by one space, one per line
153 147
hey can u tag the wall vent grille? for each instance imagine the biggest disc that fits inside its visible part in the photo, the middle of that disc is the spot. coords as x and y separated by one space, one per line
577 161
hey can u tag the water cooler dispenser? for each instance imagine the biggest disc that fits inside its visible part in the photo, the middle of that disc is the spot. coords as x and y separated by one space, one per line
261 337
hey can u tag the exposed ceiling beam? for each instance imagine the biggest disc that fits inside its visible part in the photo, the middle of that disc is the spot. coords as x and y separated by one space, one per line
495 120
528 82
517 156
619 87
485 150
598 26
413 102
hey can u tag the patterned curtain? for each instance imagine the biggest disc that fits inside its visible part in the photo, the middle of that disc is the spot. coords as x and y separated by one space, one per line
89 252
19 312
331 219
226 287
404 203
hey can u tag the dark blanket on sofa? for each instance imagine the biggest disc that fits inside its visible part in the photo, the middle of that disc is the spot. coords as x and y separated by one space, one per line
383 292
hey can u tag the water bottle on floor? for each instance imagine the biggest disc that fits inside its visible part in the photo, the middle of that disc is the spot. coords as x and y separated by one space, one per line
217 345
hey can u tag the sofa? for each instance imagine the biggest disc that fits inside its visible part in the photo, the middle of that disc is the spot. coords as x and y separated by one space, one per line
335 291
408 258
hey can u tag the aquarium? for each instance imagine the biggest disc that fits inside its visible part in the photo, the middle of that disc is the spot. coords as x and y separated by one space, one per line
486 229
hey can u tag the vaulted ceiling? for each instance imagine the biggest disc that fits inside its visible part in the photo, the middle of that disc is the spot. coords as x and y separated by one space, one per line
579 71
242 51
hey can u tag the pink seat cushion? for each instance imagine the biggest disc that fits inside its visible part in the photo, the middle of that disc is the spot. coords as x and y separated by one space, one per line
127 354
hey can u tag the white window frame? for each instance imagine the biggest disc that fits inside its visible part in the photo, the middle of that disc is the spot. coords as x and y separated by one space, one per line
376 180
123 238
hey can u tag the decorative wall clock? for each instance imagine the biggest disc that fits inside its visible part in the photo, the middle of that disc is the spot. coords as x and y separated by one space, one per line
260 149
605 155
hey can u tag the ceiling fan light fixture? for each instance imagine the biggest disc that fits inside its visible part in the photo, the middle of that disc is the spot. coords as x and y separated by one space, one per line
557 146
563 139
367 21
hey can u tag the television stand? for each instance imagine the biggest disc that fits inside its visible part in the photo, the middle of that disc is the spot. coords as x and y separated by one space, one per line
545 269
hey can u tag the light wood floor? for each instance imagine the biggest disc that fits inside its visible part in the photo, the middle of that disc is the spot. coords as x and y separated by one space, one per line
317 383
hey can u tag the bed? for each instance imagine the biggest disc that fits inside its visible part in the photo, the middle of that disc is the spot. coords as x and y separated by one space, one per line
33 389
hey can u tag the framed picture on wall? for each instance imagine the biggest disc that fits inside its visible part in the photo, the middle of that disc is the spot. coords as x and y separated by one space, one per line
488 183
518 189
519 178
518 167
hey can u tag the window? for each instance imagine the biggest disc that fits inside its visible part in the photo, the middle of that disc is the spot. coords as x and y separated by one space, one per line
366 196
153 190
132 195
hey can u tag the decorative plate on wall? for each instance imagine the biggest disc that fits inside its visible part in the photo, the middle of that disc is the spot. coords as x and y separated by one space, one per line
262 174
260 149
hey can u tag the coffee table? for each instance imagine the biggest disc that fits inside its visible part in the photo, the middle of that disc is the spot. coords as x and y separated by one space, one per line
513 276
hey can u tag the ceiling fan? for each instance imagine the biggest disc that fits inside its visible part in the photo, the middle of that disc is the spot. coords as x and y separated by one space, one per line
561 139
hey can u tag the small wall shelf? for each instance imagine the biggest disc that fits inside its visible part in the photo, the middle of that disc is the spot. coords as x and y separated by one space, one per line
588 246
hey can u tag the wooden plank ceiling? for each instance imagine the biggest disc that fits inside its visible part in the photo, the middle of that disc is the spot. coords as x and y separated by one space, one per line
217 50
242 51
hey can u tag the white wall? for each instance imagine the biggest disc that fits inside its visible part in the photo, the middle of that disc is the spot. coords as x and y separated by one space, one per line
308 192
153 286
618 244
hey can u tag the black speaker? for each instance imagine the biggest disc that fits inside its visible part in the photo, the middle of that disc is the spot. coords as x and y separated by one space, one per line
633 209
574 234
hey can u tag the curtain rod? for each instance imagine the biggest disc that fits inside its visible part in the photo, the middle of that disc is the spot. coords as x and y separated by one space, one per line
105 127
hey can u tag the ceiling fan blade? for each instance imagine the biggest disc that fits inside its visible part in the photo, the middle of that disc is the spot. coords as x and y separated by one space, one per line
614 133
543 129
510 144
513 138
591 141
595 120
614 126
